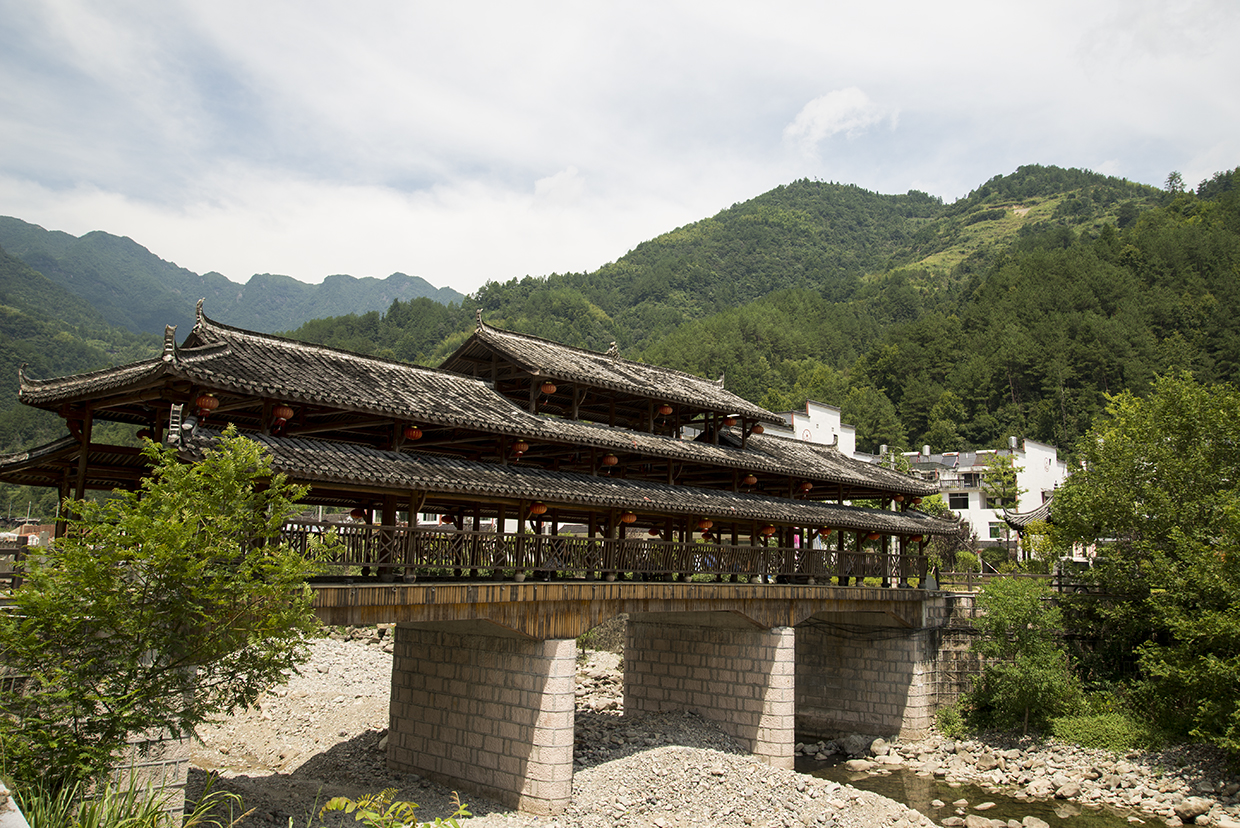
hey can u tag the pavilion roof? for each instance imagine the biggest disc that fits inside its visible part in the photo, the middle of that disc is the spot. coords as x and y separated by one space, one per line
554 361
328 464
337 389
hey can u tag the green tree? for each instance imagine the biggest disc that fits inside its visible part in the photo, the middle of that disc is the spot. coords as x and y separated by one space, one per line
158 610
999 481
1027 679
1160 495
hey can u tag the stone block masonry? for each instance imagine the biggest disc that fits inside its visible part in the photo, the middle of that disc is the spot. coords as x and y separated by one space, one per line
863 673
734 674
489 714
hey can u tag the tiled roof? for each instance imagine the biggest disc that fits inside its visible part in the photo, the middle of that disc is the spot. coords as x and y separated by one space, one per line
1019 520
243 362
325 462
557 362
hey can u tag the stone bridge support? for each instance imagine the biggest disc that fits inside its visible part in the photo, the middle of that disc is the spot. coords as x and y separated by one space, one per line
720 665
488 710
867 673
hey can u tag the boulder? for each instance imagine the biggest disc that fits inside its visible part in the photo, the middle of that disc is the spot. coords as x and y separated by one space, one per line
856 745
1192 807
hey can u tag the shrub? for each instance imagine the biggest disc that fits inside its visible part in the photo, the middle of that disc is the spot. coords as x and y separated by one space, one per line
1116 731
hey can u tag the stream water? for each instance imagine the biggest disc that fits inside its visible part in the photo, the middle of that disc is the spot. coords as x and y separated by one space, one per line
918 792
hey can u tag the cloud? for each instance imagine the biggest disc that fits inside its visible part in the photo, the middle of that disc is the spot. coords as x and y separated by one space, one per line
849 111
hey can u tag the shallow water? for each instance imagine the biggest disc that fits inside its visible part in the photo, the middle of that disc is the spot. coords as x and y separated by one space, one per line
904 785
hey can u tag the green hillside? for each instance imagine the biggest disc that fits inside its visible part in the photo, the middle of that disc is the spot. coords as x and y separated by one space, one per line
1013 311
133 288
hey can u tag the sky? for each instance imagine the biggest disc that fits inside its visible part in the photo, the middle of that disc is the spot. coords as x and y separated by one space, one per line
469 142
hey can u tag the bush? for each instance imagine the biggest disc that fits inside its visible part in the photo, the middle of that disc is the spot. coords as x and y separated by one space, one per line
1116 731
950 722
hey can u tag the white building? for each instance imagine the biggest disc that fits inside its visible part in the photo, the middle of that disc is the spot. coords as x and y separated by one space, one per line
959 476
820 423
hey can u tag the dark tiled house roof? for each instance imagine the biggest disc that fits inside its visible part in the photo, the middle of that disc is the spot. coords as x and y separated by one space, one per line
337 463
562 363
249 364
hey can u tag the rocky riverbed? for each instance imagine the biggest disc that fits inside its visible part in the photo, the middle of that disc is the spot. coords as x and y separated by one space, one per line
323 735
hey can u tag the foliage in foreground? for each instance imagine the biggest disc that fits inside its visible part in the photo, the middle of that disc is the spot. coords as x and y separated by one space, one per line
382 811
1027 680
116 806
160 609
1160 494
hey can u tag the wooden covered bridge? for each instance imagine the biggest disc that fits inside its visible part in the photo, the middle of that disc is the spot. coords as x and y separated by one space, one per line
525 491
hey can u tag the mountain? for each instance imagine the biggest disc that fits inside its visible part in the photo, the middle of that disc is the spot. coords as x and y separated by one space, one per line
135 289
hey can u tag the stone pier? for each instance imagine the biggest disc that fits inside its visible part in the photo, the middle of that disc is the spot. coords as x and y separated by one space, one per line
867 673
491 713
721 666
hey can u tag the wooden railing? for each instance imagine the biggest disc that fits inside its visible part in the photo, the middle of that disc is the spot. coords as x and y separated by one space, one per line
433 553
974 581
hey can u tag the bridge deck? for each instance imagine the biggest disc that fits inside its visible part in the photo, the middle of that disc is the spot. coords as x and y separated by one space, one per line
566 609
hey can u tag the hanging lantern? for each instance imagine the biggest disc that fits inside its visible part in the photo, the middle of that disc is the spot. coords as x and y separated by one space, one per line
707 536
915 539
610 459
665 409
872 536
806 487
729 421
768 530
898 498
749 480
281 414
654 533
705 523
824 531
413 433
206 403
520 447
358 514
917 501
445 519
628 517
548 388
538 508
758 428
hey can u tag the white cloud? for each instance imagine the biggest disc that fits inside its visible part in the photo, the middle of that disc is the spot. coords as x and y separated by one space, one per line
475 140
849 111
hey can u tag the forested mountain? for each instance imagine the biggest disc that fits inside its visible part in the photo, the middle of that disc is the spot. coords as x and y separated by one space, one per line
1011 312
135 289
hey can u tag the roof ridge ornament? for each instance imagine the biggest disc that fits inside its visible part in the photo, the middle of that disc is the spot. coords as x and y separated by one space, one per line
198 316
170 339
719 382
613 351
478 316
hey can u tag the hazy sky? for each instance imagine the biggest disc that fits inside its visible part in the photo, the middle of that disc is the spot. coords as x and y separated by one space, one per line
464 142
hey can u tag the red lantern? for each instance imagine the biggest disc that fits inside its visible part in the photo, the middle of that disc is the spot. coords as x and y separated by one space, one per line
548 388
806 486
628 517
520 447
705 523
824 531
413 433
653 532
729 421
916 539
610 459
358 514
758 428
749 480
768 530
206 403
445 519
665 409
872 536
281 414
917 501
538 508
898 498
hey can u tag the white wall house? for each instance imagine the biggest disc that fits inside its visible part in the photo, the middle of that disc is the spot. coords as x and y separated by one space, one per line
959 478
820 423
